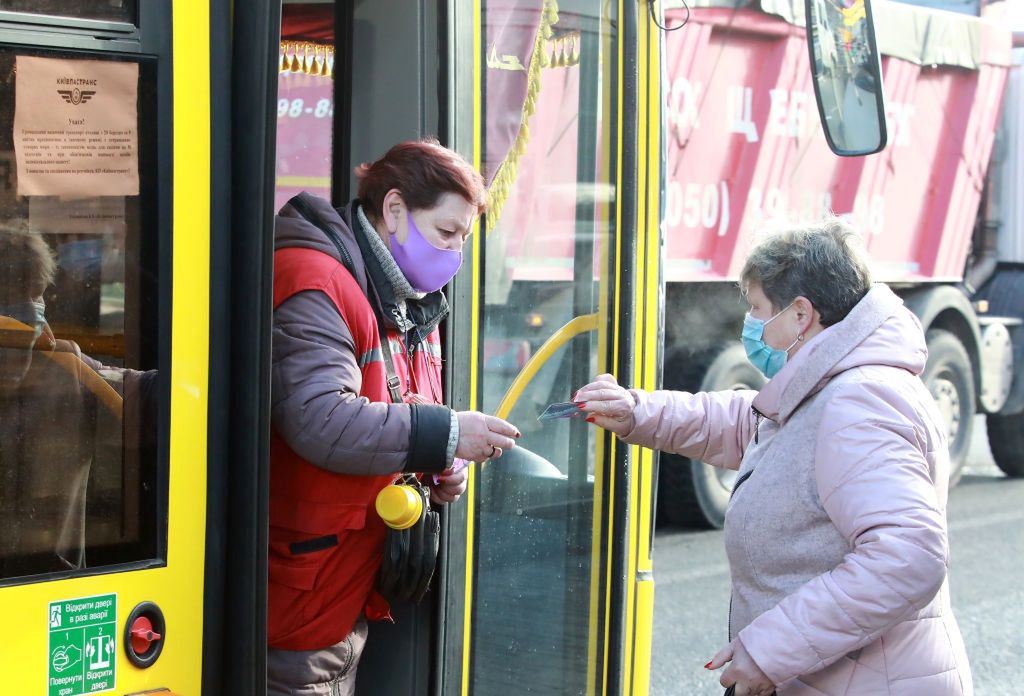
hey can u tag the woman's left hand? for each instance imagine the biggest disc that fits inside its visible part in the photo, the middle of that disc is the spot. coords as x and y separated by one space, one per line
743 672
449 485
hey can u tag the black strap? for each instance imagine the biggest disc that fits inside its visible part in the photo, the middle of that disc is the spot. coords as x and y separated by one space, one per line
394 384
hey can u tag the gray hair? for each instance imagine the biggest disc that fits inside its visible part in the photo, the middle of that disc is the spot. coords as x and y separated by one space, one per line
823 262
26 264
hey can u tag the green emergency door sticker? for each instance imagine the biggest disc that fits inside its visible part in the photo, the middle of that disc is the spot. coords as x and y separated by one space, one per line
82 657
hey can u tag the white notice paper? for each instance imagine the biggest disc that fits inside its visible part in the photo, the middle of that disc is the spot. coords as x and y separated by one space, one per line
76 127
104 215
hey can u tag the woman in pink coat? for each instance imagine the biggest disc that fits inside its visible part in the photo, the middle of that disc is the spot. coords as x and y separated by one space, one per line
836 531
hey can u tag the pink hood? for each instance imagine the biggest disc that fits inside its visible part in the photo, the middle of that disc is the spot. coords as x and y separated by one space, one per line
879 331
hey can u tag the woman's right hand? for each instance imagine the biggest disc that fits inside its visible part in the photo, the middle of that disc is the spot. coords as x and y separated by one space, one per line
483 437
607 404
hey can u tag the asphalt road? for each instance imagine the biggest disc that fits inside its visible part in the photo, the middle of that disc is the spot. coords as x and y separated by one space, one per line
986 513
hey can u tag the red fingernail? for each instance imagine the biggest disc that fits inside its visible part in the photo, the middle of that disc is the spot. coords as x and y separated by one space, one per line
518 434
708 665
591 419
581 405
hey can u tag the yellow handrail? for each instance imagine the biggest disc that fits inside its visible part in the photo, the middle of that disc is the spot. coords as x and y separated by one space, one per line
90 379
76 367
576 326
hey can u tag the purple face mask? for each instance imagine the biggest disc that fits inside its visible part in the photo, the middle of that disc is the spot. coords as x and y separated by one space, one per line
426 267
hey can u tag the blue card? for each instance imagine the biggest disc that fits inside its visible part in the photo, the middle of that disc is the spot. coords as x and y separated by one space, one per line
567 409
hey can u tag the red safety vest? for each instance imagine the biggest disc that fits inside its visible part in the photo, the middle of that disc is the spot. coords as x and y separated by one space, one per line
318 588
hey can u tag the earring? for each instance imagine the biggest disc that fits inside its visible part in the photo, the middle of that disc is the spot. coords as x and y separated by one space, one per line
800 337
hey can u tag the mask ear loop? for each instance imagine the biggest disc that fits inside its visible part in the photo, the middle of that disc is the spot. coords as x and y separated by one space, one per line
779 314
799 337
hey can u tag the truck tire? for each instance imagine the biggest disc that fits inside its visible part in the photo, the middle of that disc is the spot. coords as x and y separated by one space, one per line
691 493
1006 440
948 377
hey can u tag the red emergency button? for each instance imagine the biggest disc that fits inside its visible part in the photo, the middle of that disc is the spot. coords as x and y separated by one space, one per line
142 635
145 633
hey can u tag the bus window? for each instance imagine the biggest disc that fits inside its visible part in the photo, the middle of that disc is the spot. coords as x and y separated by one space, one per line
305 101
548 115
80 313
109 10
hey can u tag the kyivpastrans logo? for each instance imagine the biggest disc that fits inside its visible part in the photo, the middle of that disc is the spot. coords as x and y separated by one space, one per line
76 96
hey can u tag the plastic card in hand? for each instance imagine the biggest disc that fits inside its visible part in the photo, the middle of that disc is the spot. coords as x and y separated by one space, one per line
568 409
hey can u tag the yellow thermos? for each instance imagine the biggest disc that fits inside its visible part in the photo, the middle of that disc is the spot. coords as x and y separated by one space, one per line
399 506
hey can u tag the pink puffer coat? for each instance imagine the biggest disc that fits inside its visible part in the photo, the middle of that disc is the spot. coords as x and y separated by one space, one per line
836 533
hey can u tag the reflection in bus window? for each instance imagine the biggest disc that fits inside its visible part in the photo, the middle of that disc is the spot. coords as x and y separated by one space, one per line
79 388
111 10
305 101
548 116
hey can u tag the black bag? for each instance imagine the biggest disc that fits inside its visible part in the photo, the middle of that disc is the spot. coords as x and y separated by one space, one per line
410 554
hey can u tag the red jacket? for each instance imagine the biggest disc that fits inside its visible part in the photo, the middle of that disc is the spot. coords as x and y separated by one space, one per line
326 540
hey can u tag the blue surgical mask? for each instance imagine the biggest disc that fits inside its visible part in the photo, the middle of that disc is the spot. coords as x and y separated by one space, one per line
29 313
765 358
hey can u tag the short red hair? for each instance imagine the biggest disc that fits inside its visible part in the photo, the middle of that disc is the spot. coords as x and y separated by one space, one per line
422 171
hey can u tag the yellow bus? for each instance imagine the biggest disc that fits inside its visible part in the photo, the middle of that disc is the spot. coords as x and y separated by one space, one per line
149 144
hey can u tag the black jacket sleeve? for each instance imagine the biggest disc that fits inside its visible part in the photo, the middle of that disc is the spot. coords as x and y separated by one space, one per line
428 440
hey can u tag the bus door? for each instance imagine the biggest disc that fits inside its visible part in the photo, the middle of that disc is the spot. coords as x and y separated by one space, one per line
104 278
543 591
354 78
544 583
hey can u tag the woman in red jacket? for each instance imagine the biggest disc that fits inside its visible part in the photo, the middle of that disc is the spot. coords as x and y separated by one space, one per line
354 289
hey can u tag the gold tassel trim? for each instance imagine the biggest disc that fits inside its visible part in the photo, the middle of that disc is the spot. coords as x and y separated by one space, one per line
540 57
563 51
306 57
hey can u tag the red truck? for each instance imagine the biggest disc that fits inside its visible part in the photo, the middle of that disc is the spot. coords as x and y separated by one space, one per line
938 207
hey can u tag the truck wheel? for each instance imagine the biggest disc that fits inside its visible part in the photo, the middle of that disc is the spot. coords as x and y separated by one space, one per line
691 493
949 378
1006 440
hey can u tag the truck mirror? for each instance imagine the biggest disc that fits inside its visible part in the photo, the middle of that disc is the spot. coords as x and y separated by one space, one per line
847 75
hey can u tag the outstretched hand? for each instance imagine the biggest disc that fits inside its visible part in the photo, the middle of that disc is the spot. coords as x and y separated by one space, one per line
483 437
607 404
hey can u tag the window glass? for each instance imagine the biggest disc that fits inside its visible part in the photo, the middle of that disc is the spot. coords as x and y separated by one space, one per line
305 101
112 10
79 313
539 573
